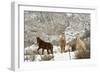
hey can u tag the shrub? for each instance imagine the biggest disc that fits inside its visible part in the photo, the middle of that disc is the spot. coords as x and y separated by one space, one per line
46 57
82 55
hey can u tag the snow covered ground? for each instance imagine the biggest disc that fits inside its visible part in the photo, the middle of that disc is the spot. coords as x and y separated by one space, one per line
57 56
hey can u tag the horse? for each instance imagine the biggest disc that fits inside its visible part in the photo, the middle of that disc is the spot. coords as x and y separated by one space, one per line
62 42
80 44
44 45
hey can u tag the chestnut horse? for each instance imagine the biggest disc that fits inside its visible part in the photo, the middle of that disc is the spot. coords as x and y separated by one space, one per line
44 45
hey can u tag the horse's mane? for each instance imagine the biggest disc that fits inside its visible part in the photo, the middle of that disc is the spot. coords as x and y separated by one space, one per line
39 40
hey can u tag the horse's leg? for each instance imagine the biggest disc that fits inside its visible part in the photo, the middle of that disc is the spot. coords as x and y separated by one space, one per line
48 51
51 51
42 51
38 50
61 47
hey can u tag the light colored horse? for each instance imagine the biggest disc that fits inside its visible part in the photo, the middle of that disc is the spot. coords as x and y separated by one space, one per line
80 44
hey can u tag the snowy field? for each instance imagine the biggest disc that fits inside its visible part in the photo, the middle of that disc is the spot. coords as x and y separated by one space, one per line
31 55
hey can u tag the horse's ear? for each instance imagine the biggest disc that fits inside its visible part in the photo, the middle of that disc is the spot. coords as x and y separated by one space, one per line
37 38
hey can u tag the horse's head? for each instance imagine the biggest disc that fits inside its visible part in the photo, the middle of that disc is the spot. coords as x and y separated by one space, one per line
38 40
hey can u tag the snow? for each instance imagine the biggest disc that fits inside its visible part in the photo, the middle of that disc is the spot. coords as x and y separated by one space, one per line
64 56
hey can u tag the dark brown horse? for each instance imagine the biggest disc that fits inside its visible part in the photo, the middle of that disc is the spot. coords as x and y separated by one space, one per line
44 45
